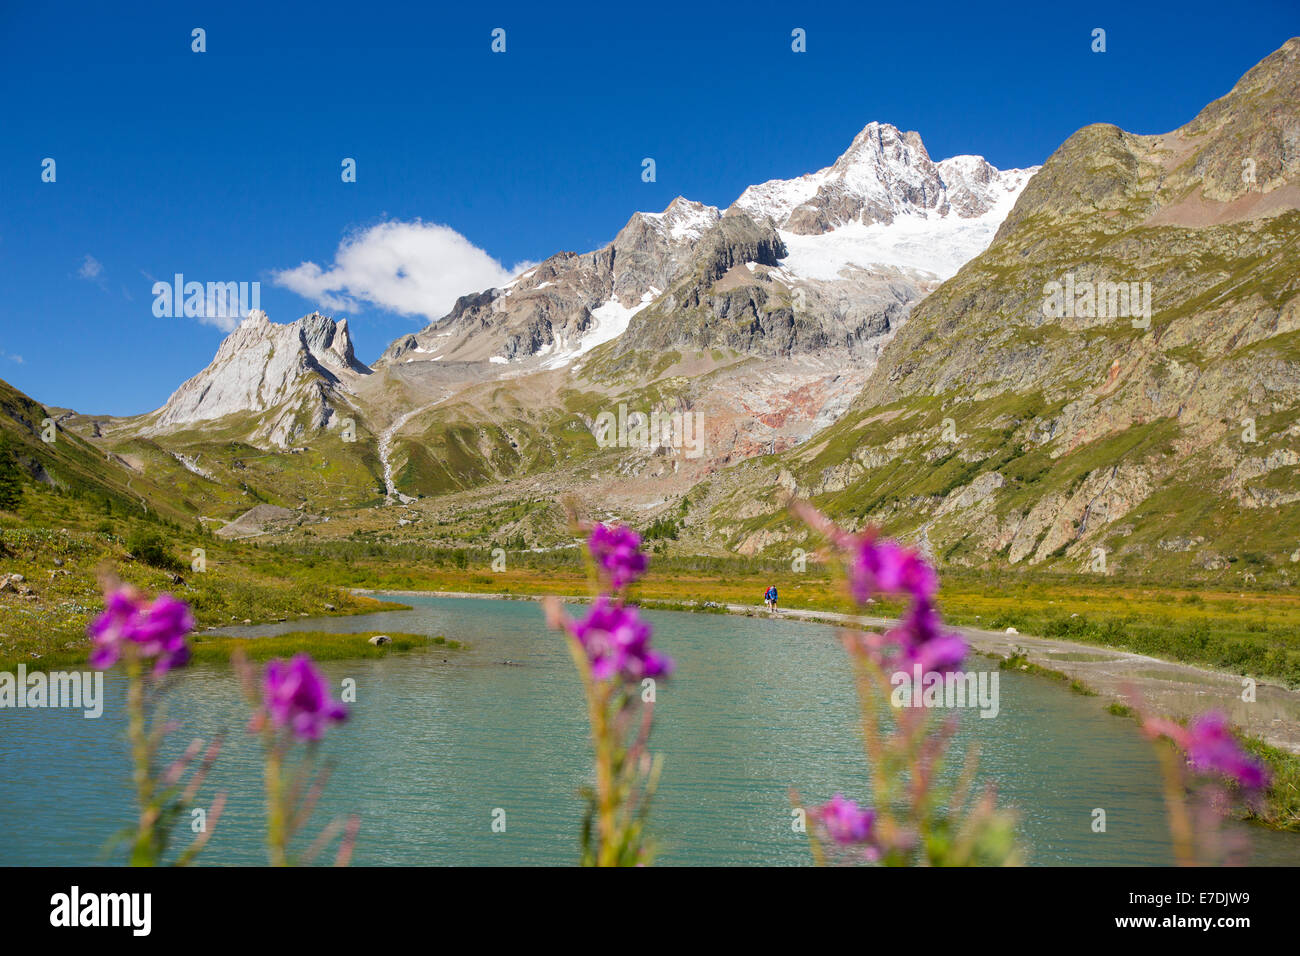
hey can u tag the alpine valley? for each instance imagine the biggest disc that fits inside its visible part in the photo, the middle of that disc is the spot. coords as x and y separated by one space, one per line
875 336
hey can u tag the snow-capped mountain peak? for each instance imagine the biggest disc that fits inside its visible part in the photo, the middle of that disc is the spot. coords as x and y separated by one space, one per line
885 173
884 202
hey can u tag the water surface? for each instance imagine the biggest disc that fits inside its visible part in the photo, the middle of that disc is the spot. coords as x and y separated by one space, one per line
439 739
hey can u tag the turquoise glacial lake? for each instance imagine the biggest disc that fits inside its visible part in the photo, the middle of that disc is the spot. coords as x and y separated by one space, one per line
440 739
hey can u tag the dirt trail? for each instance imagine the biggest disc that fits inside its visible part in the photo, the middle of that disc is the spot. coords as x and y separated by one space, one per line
1164 687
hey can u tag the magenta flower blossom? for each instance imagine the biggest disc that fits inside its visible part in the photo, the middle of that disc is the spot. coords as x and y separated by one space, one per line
297 697
616 550
1211 748
922 639
845 822
617 643
155 630
1214 749
886 567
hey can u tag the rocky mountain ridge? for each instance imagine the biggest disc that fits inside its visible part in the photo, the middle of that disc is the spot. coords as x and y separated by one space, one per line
569 303
690 279
553 314
292 377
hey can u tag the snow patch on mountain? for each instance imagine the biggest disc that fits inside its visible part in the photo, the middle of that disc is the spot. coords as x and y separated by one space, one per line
610 321
927 243
684 219
863 236
778 198
885 203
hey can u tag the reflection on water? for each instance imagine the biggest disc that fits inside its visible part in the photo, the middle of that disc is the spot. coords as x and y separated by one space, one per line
440 738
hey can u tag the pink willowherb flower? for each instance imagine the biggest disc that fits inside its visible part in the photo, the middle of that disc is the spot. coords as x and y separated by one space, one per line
297 697
848 824
878 566
886 567
617 643
616 550
155 630
1211 748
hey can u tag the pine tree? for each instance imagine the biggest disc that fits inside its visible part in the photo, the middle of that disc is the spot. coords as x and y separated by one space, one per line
11 481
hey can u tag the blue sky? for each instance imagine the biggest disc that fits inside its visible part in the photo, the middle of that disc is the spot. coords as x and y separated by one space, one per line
225 165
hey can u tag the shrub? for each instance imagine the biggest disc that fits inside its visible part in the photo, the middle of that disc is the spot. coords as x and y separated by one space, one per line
149 547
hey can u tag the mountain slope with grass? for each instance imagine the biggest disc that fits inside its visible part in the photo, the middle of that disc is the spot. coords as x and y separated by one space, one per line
46 452
1024 417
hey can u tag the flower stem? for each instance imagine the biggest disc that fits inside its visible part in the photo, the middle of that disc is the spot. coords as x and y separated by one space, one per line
143 851
275 816
1180 824
607 803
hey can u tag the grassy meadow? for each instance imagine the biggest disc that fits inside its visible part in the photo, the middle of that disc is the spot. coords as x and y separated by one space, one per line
60 543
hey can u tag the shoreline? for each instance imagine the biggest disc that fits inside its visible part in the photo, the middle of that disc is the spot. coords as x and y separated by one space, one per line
1173 689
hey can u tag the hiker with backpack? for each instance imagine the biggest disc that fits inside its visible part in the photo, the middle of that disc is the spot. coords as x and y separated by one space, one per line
769 598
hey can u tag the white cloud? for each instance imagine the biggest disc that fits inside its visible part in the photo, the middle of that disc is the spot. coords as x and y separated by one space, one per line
411 268
90 268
